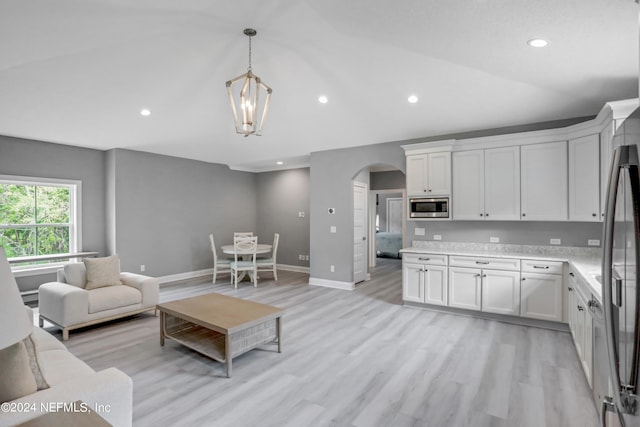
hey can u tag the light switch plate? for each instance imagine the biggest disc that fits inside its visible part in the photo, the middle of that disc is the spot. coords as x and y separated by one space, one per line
555 241
494 239
419 231
593 242
437 237
332 229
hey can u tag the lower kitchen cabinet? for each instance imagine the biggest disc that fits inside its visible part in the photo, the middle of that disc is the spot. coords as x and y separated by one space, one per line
501 292
541 296
465 288
581 324
424 283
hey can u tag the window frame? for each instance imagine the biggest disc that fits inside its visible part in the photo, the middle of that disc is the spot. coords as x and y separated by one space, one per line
75 218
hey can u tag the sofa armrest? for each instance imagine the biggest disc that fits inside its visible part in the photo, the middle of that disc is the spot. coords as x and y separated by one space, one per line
63 304
148 286
108 392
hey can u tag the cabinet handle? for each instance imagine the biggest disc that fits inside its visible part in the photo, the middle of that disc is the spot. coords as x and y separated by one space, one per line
543 267
481 215
594 215
482 262
486 214
424 259
580 308
569 288
524 214
484 275
524 278
477 275
571 274
429 190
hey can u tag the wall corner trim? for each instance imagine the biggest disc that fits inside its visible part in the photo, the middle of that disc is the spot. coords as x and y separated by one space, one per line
345 286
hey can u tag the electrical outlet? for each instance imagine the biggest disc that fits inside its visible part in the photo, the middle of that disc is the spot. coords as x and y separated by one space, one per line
593 242
494 239
419 231
555 241
332 229
437 237
300 214
332 268
300 257
142 268
306 257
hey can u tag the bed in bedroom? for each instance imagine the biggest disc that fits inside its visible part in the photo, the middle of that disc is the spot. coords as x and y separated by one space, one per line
388 244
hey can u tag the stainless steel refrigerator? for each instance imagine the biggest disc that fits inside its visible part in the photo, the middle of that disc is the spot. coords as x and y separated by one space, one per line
620 272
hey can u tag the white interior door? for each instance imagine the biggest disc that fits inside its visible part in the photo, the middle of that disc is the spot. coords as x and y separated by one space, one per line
394 215
360 214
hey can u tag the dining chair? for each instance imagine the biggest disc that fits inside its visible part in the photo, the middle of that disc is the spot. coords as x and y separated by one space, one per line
242 234
245 249
269 263
220 265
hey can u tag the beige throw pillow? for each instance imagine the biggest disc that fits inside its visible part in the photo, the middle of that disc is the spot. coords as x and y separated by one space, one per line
102 272
16 378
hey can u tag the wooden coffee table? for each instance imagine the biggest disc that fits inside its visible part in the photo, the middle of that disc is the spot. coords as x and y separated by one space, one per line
219 326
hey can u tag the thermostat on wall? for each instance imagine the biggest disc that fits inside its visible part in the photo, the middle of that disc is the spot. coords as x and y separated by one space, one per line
332 210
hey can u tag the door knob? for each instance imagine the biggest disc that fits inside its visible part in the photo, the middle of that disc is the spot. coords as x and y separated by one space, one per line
364 238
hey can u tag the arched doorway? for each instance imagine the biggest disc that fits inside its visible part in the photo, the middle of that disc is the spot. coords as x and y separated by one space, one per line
379 223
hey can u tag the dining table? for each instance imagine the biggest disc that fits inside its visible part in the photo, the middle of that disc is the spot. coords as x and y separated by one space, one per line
262 248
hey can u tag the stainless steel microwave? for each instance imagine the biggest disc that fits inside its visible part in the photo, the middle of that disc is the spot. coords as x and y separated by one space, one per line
432 207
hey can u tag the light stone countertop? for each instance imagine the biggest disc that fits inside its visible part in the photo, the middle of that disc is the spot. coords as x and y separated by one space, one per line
586 261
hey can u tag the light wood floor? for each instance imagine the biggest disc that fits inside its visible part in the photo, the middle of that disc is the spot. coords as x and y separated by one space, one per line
349 359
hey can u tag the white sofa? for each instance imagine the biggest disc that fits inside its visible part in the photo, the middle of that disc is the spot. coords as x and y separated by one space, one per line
68 305
70 380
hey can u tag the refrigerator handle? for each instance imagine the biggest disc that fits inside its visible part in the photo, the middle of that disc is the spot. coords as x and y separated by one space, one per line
631 387
617 164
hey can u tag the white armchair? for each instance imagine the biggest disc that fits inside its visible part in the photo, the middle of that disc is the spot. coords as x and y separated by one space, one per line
70 304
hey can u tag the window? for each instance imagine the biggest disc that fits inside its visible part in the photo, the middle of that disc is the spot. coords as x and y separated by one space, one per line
38 217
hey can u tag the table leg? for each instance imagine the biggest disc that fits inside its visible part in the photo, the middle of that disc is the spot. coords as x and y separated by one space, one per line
279 333
227 353
162 328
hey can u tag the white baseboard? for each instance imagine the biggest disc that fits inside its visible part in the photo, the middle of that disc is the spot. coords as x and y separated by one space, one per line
209 272
346 286
185 276
296 268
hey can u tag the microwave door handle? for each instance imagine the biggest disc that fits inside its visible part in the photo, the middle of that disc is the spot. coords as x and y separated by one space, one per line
607 267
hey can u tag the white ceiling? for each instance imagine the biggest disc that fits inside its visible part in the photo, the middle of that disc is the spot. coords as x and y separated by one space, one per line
79 71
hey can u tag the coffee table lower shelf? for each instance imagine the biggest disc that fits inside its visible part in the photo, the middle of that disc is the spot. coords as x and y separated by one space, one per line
217 345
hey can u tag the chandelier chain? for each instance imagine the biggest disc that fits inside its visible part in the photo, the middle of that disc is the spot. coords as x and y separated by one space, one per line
249 68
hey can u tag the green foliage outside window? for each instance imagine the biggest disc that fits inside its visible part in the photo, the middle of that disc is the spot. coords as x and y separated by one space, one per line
34 219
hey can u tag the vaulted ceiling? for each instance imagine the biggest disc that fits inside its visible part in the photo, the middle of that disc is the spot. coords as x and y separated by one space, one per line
78 72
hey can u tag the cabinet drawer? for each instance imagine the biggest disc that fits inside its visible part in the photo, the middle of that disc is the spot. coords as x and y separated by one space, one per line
545 267
432 259
485 262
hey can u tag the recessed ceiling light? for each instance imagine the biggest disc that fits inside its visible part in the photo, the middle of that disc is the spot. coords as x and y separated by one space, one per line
323 99
412 99
145 112
279 162
537 43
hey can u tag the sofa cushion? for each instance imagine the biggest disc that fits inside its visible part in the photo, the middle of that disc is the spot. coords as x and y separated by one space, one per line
16 378
106 298
102 271
76 274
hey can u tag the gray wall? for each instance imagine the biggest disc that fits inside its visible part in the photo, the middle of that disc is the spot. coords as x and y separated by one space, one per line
331 174
41 159
165 207
281 196
388 180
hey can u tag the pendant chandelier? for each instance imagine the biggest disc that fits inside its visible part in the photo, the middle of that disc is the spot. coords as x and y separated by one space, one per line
248 113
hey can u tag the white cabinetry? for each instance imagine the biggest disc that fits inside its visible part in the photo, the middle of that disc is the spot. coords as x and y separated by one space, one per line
485 289
486 184
544 181
541 290
606 150
429 174
581 323
584 178
424 278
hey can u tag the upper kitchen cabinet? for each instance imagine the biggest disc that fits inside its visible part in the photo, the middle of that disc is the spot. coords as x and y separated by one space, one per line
584 178
544 187
486 184
429 174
